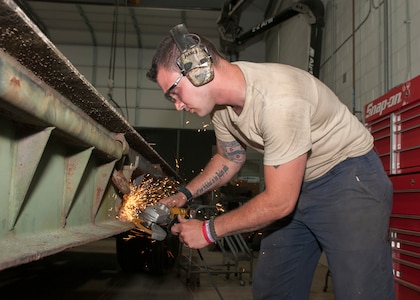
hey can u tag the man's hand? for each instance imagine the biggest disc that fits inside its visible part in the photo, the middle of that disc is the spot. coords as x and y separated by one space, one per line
190 233
176 200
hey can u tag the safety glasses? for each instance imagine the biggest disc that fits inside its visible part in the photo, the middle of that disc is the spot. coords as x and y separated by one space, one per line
169 91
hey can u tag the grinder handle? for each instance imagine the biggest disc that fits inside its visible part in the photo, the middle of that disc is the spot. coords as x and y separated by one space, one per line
175 212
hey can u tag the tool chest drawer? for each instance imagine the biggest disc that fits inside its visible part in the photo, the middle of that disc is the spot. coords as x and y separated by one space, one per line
406 139
404 249
406 262
406 272
380 131
405 292
406 200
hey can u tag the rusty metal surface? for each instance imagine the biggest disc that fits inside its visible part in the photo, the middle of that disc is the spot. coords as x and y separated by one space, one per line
61 142
34 98
24 249
22 39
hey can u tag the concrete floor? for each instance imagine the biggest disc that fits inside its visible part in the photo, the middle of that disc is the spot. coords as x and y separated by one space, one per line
92 272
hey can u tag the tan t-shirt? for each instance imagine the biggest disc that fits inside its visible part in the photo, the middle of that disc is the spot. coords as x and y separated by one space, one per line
288 112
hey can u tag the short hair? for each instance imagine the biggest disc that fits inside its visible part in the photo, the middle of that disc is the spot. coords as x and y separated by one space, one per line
167 54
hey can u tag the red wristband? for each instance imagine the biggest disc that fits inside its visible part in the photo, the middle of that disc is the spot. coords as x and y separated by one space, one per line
204 229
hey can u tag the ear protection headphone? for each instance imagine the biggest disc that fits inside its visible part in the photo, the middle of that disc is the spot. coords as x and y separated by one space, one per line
195 62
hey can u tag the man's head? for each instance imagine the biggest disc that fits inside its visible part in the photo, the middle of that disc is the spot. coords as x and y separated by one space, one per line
194 58
168 54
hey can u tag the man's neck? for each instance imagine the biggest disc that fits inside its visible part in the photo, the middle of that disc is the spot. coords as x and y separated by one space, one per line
233 87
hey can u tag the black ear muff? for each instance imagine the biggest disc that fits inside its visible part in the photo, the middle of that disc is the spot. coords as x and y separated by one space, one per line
195 62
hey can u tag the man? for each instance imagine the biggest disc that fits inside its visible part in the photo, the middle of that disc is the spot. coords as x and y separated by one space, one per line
325 188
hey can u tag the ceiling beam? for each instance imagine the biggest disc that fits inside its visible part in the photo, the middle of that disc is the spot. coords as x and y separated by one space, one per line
214 5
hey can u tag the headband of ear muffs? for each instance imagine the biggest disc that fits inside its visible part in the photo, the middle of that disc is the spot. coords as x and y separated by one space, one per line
194 62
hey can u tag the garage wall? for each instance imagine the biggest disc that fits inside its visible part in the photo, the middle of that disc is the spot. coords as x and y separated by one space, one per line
385 52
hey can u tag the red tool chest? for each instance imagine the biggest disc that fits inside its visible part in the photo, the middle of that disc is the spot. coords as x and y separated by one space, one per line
394 121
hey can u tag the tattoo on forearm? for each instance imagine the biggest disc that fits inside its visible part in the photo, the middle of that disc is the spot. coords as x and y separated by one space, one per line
234 151
219 174
276 166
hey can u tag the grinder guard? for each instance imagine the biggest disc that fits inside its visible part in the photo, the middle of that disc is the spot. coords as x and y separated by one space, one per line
159 214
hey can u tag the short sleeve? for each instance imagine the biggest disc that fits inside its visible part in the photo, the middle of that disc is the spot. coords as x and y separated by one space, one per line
286 130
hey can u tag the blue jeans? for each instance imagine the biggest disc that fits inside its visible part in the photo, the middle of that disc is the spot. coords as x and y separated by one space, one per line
344 213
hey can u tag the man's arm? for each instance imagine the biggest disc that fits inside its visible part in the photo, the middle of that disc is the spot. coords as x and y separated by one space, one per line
278 200
282 188
221 168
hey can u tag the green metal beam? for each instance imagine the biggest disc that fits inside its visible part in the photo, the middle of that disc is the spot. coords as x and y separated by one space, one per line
56 165
27 93
25 165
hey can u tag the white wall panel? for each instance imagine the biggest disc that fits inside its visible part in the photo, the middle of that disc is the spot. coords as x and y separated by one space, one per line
123 57
78 55
102 76
343 21
122 78
125 79
415 60
119 101
289 43
145 57
398 42
415 36
148 98
145 82
125 97
104 54
254 52
105 37
61 36
157 118
87 72
131 115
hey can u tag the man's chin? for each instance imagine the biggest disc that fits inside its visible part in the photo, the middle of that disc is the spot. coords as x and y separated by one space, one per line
200 114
